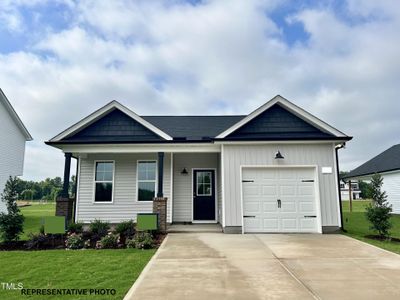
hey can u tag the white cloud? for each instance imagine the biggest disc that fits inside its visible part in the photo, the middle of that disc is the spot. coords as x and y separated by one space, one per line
214 57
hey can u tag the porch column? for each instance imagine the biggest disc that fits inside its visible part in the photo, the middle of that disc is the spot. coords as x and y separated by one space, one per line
160 193
67 170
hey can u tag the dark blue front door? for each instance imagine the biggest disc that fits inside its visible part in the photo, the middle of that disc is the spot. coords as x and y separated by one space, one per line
203 195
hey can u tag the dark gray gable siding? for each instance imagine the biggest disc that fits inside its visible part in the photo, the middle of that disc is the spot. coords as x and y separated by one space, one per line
115 126
278 123
388 160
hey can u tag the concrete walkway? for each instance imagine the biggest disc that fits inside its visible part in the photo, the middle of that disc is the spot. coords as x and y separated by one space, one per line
303 266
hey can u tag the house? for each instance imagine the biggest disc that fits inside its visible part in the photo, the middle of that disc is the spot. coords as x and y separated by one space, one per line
345 193
274 170
13 136
386 164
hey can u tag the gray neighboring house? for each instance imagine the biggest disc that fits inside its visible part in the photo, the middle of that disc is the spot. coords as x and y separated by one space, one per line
13 136
274 170
387 164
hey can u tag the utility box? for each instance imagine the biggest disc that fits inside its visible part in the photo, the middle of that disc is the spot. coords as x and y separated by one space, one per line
147 221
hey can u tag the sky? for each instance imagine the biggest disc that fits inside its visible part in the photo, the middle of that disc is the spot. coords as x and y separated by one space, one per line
60 60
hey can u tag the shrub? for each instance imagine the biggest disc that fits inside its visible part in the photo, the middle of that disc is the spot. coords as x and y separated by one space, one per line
74 241
125 230
41 229
36 241
75 228
98 229
141 240
11 224
378 212
110 241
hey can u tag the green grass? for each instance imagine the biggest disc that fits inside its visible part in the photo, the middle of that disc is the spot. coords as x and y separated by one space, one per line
357 226
79 269
33 217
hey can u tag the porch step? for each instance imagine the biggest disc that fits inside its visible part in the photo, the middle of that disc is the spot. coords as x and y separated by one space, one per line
195 228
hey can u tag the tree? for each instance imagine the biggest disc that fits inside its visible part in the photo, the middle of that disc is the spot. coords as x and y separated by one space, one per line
366 190
11 224
27 194
378 212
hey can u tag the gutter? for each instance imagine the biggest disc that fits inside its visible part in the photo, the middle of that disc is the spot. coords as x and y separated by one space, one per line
337 148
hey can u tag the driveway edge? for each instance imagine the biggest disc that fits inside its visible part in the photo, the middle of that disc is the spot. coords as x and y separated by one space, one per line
129 294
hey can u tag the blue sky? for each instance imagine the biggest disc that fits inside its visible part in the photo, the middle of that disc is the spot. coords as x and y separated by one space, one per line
60 60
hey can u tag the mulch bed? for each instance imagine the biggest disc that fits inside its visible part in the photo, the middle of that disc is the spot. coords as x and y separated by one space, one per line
379 238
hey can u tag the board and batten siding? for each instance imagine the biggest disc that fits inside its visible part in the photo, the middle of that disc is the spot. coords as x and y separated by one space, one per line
12 150
125 205
182 184
321 155
391 185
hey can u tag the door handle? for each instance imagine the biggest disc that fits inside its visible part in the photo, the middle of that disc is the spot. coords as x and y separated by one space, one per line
279 203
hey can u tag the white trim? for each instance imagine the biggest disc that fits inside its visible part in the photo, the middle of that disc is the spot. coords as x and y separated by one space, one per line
336 185
14 116
103 111
222 185
301 113
140 148
215 196
316 185
172 187
77 188
94 183
155 181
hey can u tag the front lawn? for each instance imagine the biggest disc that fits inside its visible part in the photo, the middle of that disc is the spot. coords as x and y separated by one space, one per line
33 217
79 269
357 226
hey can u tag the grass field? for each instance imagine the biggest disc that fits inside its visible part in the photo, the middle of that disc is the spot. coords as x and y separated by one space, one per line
33 217
357 226
62 269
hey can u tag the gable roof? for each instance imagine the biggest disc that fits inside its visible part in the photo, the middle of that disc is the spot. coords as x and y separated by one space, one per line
14 116
98 114
294 109
388 160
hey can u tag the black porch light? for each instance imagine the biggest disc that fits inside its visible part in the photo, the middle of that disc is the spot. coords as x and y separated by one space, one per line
278 155
184 171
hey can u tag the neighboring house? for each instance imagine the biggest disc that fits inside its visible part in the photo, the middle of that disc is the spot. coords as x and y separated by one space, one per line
13 136
355 190
388 165
273 170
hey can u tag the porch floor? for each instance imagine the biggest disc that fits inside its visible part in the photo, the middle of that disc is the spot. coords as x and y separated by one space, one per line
191 228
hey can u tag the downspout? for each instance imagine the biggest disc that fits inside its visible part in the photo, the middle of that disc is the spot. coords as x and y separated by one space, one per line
76 189
340 146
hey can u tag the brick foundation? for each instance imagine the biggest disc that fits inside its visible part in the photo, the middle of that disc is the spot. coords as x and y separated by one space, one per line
64 208
160 207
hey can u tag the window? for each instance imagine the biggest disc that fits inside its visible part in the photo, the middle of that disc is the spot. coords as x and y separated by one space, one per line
146 175
342 185
203 183
104 181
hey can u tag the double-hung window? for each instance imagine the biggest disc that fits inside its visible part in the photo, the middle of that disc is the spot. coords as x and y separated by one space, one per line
104 175
146 180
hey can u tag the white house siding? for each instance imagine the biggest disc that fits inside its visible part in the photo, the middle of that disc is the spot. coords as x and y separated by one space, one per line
183 194
295 154
125 206
12 149
391 185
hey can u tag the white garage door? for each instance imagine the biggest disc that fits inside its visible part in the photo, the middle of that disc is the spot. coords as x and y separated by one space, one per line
279 200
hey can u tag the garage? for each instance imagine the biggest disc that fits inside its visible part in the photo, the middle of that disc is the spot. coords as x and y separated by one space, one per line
280 199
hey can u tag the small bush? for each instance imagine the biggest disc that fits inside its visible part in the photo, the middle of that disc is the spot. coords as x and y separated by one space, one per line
41 229
110 241
125 230
98 229
74 241
75 228
36 241
141 240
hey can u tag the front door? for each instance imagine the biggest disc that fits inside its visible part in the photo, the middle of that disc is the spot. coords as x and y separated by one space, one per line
203 195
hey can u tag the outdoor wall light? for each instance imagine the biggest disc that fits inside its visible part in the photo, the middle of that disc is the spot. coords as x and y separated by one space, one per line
278 155
184 171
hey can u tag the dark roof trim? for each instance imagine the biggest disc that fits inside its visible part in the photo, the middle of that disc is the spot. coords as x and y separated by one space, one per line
369 174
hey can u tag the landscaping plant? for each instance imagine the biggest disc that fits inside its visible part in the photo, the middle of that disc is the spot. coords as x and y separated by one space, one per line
378 212
110 241
74 241
12 222
75 228
98 229
126 230
141 240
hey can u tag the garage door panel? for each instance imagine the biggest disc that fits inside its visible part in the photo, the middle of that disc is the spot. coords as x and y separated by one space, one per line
295 187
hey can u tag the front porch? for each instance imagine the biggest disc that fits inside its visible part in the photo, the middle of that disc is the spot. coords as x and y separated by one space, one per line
194 228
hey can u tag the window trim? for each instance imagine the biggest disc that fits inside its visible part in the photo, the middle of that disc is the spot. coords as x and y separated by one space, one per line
94 182
137 180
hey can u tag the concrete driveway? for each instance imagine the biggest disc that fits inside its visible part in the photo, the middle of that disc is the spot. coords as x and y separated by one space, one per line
269 266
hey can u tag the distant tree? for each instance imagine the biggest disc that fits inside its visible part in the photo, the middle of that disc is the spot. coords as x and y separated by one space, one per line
366 189
72 186
342 174
378 212
11 223
27 194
